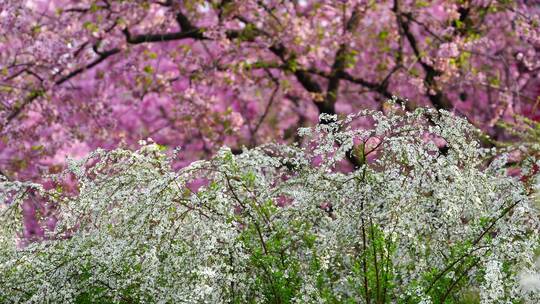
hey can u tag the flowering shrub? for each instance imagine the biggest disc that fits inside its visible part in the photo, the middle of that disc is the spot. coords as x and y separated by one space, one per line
80 74
423 218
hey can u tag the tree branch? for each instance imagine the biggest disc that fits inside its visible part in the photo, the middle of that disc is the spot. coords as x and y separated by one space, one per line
100 59
438 99
145 38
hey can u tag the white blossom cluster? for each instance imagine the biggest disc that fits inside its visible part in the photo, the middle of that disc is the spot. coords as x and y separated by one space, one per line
424 217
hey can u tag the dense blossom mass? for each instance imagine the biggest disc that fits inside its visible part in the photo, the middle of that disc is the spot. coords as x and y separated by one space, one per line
281 224
77 75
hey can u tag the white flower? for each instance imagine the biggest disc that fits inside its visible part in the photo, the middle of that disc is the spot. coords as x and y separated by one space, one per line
529 281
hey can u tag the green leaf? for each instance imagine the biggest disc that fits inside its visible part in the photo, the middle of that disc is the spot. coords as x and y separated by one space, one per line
383 35
421 4
91 27
36 29
94 7
148 69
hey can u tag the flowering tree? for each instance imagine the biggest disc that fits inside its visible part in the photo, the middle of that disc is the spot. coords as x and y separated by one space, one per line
77 75
279 224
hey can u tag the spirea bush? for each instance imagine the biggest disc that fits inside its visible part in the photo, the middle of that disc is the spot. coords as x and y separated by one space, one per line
425 217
